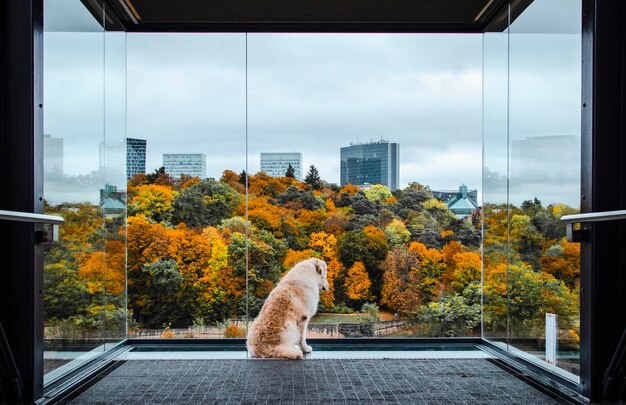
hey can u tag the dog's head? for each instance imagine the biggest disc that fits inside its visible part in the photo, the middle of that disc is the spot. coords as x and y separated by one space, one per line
322 271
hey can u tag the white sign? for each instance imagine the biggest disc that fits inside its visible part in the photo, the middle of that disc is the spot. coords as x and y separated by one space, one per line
551 338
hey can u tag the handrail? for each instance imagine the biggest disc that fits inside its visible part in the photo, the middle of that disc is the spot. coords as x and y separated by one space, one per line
580 235
30 217
594 217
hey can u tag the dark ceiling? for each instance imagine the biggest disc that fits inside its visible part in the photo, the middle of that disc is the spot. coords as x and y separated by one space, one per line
306 15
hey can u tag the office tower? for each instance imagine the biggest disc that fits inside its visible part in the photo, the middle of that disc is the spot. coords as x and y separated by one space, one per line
376 162
276 164
52 156
135 157
192 164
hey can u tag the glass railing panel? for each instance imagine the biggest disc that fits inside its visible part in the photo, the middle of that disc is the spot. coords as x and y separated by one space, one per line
187 250
74 128
114 152
380 131
495 186
544 153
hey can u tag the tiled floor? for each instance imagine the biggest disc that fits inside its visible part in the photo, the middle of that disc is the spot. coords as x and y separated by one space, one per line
311 381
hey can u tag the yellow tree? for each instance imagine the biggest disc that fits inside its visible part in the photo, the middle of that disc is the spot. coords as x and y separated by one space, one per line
358 283
334 269
154 201
325 245
432 267
467 266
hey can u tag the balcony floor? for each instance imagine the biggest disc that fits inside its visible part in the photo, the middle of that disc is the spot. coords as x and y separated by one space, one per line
310 381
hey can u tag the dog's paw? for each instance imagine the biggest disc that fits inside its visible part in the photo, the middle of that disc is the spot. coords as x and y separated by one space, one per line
306 348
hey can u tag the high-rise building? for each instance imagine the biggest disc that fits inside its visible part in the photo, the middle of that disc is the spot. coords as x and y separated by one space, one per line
275 164
52 156
135 157
376 162
192 164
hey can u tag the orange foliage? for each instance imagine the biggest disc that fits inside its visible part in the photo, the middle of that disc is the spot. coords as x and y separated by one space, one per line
402 282
325 244
105 271
266 216
330 205
312 220
350 189
334 268
232 180
358 283
566 266
294 257
335 223
191 252
375 234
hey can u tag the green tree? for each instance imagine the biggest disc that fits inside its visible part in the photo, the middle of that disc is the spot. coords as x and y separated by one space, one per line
64 294
312 178
160 293
243 177
451 316
291 173
205 203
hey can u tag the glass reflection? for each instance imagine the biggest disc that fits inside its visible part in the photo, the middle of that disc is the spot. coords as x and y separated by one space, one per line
532 133
74 268
544 139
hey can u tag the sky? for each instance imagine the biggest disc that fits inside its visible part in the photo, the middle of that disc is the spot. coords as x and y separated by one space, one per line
312 94
222 94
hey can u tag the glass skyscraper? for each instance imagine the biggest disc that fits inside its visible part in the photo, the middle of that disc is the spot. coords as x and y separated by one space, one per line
135 157
371 163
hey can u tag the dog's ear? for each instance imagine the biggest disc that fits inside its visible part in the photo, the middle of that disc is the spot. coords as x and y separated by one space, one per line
319 266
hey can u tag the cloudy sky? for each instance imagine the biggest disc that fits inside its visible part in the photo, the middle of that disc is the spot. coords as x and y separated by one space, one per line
311 94
316 93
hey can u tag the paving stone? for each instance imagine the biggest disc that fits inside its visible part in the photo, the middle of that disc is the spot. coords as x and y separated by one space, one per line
312 381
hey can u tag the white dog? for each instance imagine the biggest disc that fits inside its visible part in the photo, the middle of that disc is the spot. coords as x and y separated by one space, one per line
280 328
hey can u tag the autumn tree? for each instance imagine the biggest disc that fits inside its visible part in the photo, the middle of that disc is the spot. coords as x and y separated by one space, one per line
153 201
369 247
397 234
358 283
562 260
401 290
377 192
160 177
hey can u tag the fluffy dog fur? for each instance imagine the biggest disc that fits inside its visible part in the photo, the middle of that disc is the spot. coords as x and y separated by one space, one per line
280 329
